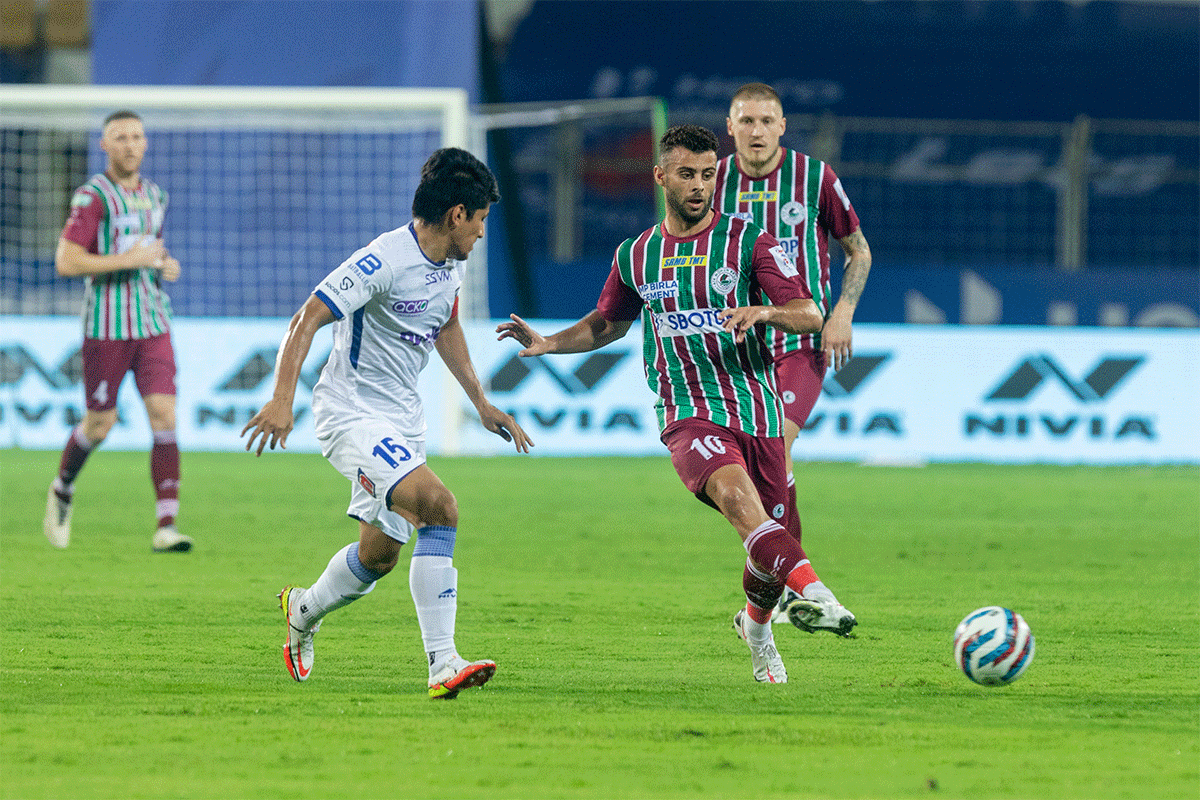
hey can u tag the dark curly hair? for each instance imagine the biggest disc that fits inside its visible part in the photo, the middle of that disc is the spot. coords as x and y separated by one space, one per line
695 138
452 176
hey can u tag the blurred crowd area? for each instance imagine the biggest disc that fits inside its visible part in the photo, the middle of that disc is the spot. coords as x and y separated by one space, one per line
989 143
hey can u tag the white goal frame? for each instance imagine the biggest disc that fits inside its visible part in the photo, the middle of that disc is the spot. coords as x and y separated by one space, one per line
321 109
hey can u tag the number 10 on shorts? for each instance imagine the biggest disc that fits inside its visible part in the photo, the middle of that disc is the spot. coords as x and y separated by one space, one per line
391 453
710 445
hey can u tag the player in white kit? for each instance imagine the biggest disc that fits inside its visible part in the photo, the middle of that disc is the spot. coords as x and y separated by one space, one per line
391 303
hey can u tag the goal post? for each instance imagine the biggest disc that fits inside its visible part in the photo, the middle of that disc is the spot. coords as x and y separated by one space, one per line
270 187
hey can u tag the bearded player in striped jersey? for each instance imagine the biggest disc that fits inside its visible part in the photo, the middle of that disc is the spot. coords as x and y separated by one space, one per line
113 239
708 288
800 201
391 303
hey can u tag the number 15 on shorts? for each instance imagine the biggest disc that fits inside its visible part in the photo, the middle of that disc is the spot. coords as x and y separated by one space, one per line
390 452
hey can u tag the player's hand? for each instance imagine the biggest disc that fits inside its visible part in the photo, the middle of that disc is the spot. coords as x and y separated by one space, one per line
170 269
504 426
534 343
836 341
740 319
274 421
146 252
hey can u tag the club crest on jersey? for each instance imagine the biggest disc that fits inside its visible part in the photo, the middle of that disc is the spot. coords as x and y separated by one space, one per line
723 280
366 483
757 197
658 290
410 306
792 213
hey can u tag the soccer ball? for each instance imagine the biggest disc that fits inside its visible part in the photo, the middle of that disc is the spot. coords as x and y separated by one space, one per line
993 646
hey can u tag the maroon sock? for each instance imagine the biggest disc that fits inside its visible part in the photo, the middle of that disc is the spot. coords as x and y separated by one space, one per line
762 591
774 550
76 452
792 520
164 472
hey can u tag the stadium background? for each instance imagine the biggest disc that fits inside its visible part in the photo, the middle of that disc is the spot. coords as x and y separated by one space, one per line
953 125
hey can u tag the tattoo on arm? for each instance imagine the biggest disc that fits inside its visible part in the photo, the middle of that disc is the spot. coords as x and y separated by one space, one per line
858 265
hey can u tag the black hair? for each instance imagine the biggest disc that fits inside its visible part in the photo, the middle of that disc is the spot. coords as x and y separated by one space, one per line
122 114
450 177
695 138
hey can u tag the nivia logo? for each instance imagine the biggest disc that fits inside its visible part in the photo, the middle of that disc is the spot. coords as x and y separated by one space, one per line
853 374
1063 425
16 361
842 385
447 593
259 367
582 380
1099 383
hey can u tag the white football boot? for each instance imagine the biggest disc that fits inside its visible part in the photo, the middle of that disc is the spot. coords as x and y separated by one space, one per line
298 648
447 677
767 663
823 614
168 539
57 522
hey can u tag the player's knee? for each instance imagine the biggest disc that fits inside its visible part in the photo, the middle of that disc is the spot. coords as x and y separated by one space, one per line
379 562
97 426
440 507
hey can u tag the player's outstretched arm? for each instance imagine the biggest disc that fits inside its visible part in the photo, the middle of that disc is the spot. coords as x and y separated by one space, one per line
274 421
590 333
451 345
800 315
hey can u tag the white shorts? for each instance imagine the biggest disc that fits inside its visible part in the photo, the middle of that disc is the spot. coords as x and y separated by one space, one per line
374 457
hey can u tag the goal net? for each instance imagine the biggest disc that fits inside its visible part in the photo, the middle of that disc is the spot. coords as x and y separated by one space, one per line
270 188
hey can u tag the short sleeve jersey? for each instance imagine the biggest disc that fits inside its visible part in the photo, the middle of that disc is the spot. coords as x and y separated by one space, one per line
106 219
678 286
390 302
801 203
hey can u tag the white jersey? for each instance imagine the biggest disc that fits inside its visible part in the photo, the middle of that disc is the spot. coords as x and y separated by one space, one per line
390 302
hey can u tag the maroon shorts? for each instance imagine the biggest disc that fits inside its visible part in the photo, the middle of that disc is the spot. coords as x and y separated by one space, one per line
699 447
105 362
800 374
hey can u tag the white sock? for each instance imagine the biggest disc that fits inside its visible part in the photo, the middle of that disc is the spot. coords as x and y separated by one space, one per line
343 581
818 592
757 633
433 581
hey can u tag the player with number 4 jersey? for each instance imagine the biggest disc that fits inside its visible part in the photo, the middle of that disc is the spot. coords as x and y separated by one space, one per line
391 303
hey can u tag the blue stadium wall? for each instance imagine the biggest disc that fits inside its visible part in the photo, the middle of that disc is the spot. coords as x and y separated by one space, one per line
1000 60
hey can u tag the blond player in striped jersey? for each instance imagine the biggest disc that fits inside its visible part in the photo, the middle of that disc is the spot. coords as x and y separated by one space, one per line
800 201
113 240
709 289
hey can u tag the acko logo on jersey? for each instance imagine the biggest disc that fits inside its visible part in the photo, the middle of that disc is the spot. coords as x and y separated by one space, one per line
723 280
410 306
1025 379
658 290
687 323
792 213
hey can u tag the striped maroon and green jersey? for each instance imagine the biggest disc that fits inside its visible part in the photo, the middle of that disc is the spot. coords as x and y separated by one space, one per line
801 203
678 286
105 219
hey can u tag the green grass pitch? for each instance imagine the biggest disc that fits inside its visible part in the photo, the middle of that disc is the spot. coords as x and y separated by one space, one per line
605 594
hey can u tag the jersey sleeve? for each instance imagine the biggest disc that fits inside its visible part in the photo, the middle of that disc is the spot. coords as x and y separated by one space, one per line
834 212
775 272
356 281
83 223
618 301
